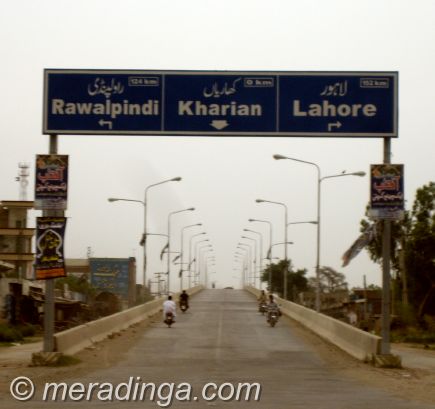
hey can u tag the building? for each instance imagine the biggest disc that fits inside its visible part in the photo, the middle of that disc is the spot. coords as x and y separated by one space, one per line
16 256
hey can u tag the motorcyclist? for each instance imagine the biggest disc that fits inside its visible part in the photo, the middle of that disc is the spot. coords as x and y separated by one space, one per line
184 299
272 306
169 307
262 300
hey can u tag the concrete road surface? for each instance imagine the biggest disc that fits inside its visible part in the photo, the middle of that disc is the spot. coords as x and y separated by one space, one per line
221 341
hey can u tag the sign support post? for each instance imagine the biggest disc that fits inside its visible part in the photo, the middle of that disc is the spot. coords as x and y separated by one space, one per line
49 283
386 255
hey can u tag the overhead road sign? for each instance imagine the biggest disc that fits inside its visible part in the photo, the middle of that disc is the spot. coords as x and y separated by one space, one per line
216 103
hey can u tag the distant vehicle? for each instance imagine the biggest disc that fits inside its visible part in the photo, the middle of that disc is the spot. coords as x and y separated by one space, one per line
228 288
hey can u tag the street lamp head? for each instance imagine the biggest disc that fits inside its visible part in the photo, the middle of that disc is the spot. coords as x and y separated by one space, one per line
361 173
176 179
259 200
112 199
277 157
191 208
252 220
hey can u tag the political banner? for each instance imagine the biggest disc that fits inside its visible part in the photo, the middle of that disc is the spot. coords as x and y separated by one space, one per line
386 191
51 182
50 260
111 275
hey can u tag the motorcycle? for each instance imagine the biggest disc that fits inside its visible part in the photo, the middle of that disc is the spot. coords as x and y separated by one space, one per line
169 319
183 306
262 307
272 317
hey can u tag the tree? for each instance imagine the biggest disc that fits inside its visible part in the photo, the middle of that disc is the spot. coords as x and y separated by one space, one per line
414 239
419 251
296 280
331 281
76 284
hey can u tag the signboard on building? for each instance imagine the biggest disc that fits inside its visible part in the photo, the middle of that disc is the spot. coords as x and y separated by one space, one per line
114 275
51 182
386 191
50 260
213 103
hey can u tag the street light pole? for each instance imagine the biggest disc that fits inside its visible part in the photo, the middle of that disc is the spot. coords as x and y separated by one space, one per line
144 203
260 254
319 181
169 243
247 248
244 265
182 252
285 241
196 259
198 254
190 257
203 263
270 244
255 255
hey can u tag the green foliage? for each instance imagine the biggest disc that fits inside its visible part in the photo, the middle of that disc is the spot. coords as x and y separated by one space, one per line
414 335
331 281
10 334
76 284
296 280
27 330
412 252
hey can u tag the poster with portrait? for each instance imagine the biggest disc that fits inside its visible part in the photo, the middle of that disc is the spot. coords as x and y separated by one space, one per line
50 260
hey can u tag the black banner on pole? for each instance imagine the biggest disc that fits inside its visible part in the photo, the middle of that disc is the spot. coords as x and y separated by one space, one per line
50 261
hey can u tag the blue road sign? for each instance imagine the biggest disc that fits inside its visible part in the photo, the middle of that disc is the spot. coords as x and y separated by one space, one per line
249 103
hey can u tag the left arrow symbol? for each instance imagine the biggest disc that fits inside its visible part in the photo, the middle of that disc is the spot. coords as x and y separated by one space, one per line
219 124
102 122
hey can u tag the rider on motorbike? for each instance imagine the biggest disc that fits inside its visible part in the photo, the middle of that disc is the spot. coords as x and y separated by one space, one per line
184 299
262 301
272 306
262 298
169 307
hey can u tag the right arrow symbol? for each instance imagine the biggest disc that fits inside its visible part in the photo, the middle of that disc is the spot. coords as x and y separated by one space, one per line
334 124
219 124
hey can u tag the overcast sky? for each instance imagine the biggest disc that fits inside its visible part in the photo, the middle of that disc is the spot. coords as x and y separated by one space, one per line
222 177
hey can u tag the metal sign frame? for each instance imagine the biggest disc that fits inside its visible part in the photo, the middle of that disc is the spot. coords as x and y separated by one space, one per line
222 103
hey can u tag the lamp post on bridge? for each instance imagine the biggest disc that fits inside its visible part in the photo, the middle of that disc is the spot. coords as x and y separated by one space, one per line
260 254
144 203
320 179
182 252
190 256
270 242
169 242
285 240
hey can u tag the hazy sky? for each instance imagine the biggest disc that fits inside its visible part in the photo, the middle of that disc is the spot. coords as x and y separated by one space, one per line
222 177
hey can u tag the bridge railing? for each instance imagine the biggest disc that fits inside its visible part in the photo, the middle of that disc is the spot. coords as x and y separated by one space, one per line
78 338
360 344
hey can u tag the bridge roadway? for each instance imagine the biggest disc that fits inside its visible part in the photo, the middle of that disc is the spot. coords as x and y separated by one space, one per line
222 338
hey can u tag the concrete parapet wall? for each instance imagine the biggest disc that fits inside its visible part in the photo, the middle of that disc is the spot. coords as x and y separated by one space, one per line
75 339
360 344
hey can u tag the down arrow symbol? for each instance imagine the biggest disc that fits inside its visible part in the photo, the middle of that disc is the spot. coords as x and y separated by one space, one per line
219 124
